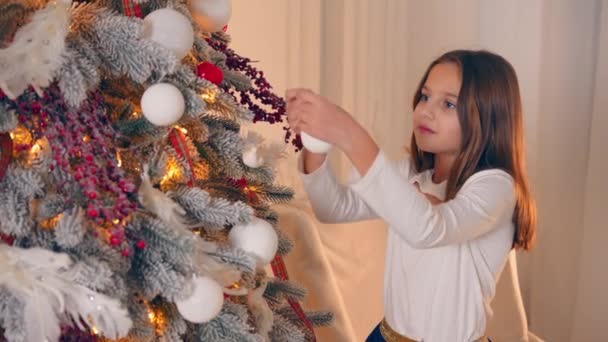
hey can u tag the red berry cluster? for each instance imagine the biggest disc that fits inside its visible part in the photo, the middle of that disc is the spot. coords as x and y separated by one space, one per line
81 141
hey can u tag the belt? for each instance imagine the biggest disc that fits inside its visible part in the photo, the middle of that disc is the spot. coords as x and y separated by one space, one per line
391 335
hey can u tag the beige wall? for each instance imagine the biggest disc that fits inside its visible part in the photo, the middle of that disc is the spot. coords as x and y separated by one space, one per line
368 55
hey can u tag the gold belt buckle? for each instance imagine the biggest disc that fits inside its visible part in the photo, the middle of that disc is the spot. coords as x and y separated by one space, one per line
391 335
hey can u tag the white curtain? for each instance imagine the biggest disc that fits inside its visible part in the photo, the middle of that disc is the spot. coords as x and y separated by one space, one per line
369 55
590 314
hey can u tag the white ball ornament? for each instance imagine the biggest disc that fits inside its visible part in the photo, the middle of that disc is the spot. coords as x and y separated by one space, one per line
314 145
205 302
163 104
211 15
252 157
171 29
257 237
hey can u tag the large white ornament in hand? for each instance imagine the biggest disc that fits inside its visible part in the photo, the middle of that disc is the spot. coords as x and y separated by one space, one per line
314 145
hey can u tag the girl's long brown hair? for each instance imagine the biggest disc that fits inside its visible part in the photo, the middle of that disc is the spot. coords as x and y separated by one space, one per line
490 114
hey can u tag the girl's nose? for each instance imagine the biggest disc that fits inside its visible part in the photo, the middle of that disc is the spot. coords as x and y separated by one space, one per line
428 111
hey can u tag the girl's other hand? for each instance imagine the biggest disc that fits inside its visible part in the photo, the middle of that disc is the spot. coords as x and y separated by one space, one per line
311 113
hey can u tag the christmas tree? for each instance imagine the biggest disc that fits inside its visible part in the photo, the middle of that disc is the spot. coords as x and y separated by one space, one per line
133 207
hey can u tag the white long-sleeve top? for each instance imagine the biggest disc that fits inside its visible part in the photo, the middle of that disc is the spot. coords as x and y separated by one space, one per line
442 261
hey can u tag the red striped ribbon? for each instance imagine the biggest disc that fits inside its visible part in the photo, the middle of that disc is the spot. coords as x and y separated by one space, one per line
6 152
131 9
178 141
280 271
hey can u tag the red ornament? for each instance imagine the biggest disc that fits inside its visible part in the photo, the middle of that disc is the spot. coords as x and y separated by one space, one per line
92 213
115 241
126 253
141 244
210 72
7 239
225 28
6 152
126 187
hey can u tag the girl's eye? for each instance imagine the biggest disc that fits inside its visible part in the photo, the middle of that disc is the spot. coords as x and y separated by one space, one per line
424 97
450 105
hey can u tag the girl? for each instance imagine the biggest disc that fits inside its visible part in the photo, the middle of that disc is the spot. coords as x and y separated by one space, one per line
455 208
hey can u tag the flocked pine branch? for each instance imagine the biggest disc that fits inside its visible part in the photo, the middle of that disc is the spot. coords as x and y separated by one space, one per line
209 211
229 326
105 40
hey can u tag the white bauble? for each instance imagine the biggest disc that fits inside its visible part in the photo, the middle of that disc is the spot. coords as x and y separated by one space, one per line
163 104
205 302
257 237
211 15
170 29
314 145
252 157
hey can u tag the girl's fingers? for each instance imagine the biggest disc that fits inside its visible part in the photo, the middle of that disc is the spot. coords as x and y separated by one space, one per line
295 126
291 113
290 94
297 102
301 113
296 107
301 118
296 119
301 93
304 112
306 127
308 107
293 123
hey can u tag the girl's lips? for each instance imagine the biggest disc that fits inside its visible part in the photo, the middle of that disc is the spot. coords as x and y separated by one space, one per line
425 129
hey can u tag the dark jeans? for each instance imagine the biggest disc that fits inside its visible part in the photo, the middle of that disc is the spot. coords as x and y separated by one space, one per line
376 336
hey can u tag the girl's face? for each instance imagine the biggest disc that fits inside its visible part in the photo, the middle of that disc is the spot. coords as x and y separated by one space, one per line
436 125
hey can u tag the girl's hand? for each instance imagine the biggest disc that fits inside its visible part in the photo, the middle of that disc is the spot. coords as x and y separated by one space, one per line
311 113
